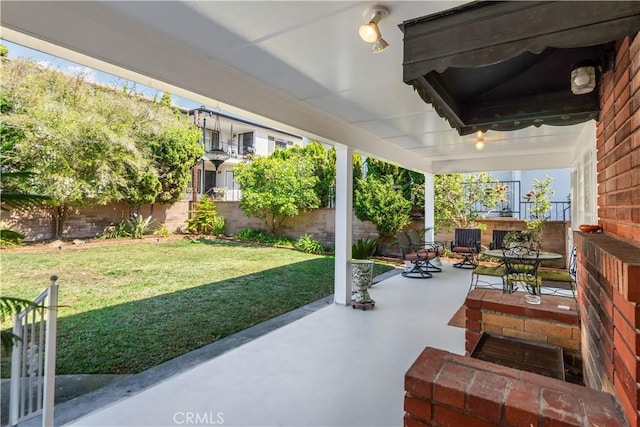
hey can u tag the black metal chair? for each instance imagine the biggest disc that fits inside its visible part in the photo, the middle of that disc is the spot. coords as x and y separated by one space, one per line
488 270
417 242
569 276
418 257
521 265
467 244
498 238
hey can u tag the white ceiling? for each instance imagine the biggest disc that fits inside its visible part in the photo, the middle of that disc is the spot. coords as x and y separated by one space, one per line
296 65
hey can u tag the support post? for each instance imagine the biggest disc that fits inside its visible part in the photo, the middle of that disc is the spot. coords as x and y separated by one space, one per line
50 354
343 224
429 212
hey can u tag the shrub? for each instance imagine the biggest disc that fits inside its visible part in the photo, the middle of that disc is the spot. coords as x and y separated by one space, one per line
252 235
10 238
138 226
309 245
218 225
364 248
162 230
261 236
205 219
135 227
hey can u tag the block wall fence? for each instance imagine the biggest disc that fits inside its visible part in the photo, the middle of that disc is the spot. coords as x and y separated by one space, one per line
91 222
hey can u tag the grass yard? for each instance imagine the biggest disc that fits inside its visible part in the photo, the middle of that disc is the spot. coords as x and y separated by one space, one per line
130 306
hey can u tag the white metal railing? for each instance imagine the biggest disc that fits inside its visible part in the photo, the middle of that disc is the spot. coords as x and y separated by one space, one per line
33 359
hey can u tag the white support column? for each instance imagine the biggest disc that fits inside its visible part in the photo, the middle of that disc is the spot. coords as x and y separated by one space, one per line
50 354
343 224
429 208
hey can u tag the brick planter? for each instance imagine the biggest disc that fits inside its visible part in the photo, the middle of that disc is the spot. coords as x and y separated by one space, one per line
445 389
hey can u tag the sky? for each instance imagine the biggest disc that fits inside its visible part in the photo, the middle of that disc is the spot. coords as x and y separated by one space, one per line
68 67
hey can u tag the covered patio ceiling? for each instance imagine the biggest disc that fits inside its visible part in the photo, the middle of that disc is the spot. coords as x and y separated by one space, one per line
297 66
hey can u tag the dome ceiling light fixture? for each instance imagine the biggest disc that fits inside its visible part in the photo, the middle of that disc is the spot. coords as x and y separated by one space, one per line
370 32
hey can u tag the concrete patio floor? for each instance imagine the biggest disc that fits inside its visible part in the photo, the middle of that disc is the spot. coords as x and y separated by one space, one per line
334 367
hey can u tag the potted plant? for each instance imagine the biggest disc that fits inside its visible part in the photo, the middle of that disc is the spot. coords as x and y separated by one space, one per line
521 238
362 271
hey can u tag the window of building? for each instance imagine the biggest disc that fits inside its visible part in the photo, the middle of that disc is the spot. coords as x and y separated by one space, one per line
245 143
211 140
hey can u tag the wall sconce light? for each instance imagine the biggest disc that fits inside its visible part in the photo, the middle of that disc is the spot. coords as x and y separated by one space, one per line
479 140
370 32
583 78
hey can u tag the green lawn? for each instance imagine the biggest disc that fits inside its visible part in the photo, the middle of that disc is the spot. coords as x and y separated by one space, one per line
128 307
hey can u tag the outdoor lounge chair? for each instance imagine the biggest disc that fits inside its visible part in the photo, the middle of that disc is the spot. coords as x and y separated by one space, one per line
416 241
467 244
417 256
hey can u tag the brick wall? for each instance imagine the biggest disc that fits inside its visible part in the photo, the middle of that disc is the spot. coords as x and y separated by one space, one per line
609 301
445 389
554 235
91 222
618 144
609 263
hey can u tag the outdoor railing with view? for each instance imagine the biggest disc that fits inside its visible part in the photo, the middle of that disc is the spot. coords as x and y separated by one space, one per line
515 207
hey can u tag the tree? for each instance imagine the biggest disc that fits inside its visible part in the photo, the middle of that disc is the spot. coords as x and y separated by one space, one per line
410 183
377 201
90 144
274 189
541 205
174 152
457 198
323 164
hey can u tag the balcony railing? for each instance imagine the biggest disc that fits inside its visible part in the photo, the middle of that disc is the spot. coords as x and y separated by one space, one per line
231 149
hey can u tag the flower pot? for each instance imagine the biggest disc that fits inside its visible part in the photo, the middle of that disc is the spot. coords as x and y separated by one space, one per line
362 278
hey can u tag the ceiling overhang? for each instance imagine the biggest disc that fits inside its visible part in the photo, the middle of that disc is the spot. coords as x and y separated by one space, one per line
507 65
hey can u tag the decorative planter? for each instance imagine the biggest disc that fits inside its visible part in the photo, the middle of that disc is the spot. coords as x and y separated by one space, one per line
362 278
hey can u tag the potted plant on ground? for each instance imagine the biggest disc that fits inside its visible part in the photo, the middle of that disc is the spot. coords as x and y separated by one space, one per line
362 271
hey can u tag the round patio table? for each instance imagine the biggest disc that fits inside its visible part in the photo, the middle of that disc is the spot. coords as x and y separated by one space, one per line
542 256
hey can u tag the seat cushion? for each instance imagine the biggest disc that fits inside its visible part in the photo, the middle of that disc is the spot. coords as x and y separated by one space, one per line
413 256
483 270
555 275
462 249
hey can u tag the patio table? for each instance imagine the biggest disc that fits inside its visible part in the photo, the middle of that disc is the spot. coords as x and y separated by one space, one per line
542 256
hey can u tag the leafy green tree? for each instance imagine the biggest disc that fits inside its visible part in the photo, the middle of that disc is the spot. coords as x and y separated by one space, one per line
410 183
378 201
174 152
456 198
89 144
274 189
539 195
323 163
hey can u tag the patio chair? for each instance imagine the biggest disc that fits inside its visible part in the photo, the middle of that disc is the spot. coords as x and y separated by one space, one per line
521 265
498 238
417 256
568 276
416 241
487 270
467 244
